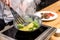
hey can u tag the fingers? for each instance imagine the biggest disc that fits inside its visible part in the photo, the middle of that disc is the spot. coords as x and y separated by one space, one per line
7 2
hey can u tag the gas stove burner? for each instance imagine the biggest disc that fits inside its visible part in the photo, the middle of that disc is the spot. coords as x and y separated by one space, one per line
18 35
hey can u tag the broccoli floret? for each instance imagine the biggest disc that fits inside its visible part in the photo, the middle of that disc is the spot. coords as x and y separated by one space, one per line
20 26
35 23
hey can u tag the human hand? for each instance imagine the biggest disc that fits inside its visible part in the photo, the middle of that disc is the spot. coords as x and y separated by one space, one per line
6 2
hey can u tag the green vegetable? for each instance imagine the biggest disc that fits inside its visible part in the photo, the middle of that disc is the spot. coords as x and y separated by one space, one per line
31 27
29 20
35 23
20 26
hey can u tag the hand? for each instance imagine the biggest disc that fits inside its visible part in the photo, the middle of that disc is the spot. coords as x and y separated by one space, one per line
7 2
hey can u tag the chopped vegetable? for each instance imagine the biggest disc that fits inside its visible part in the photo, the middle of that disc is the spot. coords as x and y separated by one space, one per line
20 26
30 27
35 23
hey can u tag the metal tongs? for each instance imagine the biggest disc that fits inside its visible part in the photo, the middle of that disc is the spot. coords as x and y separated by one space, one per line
18 19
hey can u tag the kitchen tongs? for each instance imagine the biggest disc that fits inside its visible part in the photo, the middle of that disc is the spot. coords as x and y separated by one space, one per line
18 19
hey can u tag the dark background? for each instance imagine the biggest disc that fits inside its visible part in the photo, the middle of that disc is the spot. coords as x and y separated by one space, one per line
45 3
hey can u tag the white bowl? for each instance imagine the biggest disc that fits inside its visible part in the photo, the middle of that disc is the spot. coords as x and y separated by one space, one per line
57 33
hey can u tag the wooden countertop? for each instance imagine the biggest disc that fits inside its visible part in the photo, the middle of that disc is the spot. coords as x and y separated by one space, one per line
54 7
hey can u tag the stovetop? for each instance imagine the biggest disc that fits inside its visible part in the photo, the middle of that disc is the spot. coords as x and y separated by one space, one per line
42 33
19 35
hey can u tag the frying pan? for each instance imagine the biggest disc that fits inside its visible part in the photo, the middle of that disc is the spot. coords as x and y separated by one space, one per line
32 16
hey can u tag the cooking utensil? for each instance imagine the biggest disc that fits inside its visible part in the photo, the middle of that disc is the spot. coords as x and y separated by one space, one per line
25 20
18 18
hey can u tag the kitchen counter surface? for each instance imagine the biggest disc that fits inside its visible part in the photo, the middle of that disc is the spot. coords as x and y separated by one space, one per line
55 7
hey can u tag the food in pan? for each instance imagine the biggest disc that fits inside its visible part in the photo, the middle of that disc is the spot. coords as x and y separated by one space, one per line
30 27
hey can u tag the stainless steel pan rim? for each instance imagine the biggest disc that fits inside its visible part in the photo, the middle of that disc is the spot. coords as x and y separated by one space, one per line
40 22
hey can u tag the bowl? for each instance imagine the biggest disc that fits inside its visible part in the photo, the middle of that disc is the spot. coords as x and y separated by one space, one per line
57 34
